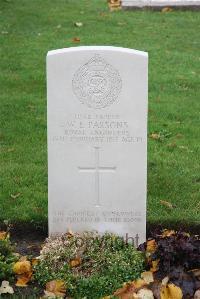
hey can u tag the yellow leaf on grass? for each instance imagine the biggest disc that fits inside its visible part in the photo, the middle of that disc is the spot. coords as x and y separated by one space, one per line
78 24
167 204
56 287
14 196
76 40
76 262
114 4
155 136
167 9
151 246
171 291
3 235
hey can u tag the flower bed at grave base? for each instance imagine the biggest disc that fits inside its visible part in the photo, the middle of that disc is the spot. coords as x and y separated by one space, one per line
91 266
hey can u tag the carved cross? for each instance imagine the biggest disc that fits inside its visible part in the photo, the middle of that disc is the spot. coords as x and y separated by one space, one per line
97 169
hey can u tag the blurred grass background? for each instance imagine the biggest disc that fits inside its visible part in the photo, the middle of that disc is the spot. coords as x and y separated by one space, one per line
28 29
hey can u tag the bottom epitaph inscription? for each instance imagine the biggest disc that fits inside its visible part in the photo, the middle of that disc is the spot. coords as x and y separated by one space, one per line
89 216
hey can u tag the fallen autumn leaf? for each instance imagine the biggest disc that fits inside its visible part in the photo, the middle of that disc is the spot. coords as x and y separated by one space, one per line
6 288
167 204
167 9
56 287
76 40
78 24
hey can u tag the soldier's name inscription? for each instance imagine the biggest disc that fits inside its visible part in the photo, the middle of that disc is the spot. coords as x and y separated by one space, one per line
96 128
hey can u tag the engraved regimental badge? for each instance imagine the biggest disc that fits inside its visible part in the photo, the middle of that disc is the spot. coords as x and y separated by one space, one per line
97 84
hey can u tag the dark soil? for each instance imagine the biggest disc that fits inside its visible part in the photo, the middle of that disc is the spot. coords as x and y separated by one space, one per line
28 244
28 240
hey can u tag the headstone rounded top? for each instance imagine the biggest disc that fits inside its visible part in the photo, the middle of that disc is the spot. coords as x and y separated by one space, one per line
97 84
97 49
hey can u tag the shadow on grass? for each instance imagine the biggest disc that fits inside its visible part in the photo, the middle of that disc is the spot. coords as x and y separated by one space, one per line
30 231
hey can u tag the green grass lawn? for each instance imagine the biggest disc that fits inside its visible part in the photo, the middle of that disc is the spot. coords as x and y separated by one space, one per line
28 29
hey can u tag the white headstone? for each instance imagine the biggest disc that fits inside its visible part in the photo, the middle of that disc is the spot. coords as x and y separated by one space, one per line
160 3
97 140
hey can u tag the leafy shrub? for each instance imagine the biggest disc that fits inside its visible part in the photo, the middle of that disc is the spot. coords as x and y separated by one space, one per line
7 259
175 250
91 265
179 249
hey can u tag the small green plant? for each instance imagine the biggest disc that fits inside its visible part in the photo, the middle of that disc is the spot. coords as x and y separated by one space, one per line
7 259
92 266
